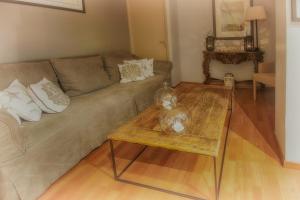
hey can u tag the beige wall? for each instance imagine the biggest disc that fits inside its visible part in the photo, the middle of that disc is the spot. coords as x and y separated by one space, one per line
29 32
292 125
191 21
173 39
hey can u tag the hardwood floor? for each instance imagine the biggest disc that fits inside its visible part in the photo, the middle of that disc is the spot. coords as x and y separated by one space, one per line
257 120
252 169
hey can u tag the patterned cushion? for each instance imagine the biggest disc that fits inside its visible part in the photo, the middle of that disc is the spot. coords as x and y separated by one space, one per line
131 72
49 97
147 66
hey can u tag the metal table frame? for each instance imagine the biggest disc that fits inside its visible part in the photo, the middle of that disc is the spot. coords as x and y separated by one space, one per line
217 180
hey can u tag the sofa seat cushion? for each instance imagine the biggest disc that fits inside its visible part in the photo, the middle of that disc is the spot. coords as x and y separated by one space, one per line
81 75
120 102
12 142
87 115
59 141
142 91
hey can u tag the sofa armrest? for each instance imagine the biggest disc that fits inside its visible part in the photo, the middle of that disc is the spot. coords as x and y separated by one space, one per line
163 68
12 143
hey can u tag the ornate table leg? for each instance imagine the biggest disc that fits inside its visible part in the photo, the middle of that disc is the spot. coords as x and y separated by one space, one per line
255 65
205 66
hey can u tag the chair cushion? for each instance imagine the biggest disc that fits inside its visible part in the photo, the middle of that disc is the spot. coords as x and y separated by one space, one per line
265 78
81 75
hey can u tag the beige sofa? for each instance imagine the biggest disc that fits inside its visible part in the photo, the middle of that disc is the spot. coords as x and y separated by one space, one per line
36 154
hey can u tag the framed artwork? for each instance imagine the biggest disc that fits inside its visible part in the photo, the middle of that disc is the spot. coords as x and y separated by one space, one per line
296 10
229 18
71 5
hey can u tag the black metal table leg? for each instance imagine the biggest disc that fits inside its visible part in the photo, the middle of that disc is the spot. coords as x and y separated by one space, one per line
113 158
118 176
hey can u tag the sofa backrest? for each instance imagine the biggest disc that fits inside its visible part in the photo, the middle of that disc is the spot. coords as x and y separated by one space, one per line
81 75
111 61
32 72
26 72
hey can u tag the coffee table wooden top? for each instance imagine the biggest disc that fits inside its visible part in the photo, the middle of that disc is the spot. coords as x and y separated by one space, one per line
208 107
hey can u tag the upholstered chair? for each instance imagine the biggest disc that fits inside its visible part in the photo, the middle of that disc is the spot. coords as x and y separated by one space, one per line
265 75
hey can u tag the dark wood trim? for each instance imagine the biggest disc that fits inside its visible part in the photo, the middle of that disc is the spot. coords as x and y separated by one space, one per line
215 24
47 6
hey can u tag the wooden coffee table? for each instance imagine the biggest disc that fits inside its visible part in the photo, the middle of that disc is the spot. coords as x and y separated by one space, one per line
210 108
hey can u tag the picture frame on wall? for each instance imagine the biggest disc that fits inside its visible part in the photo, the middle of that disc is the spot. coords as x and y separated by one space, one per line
69 5
229 18
296 10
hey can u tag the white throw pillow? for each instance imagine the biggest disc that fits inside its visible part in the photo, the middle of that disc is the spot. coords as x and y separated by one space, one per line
17 102
48 96
131 72
146 65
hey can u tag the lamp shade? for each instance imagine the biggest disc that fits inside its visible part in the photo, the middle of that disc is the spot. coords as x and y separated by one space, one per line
255 13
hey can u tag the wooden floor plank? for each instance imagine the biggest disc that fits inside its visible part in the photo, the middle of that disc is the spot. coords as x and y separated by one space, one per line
252 170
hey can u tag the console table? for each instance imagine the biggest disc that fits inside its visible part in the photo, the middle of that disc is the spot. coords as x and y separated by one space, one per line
230 58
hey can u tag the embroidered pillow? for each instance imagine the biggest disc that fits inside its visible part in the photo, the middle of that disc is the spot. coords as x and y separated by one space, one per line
131 72
146 66
49 97
16 101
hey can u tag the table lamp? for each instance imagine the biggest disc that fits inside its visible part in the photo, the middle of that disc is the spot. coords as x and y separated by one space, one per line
256 13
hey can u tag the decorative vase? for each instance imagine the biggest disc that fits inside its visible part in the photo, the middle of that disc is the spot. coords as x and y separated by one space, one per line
165 97
229 80
176 121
